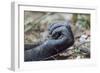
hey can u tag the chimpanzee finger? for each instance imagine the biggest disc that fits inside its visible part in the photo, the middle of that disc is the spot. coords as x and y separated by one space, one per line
56 25
60 31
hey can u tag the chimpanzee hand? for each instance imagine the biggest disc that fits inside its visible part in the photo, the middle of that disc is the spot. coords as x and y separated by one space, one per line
56 30
61 39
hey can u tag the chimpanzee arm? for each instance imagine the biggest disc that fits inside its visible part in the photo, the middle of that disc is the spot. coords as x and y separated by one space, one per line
51 46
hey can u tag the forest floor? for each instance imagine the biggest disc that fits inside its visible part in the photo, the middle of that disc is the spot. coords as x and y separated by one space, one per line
36 25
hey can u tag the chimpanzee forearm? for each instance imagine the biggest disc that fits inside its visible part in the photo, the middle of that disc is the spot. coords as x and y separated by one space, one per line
46 50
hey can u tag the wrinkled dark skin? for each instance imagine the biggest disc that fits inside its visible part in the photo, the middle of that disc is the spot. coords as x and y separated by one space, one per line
61 39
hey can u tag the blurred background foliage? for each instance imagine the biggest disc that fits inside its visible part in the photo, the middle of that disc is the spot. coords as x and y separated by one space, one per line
36 25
